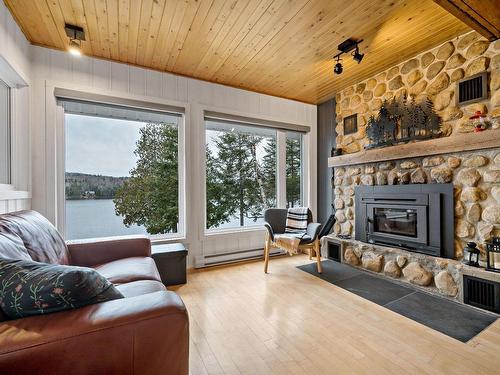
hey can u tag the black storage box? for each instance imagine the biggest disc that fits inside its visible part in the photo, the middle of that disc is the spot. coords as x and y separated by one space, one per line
170 260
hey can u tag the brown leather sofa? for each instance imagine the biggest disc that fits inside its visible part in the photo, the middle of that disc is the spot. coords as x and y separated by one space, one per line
147 332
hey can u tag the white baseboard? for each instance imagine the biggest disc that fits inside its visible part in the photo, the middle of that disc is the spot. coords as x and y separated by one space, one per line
237 256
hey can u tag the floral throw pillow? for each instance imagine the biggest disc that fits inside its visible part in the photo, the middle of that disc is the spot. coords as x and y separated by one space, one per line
32 288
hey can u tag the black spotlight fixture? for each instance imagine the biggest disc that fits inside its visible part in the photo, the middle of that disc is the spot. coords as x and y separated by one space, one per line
338 69
76 35
356 56
347 46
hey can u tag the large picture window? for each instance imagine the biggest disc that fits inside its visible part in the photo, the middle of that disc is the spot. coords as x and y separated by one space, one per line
5 125
242 174
122 171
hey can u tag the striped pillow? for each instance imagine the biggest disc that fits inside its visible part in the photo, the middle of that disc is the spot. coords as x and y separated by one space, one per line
296 220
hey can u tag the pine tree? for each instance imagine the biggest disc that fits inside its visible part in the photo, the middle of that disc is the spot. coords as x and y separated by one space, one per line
150 196
220 207
234 179
269 171
293 172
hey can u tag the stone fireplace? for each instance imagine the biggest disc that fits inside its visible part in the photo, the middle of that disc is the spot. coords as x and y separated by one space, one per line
468 163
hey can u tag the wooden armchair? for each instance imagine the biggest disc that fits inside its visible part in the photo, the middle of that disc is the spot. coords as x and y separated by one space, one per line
275 222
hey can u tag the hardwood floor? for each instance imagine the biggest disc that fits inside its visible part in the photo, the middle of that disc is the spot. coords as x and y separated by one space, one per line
289 322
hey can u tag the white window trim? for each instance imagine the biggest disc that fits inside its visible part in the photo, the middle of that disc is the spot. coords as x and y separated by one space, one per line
56 175
280 169
14 81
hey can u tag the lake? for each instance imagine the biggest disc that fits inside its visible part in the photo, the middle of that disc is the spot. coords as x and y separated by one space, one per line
90 218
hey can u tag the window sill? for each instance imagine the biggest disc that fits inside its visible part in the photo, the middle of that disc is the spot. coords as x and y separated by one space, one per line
7 192
215 232
165 240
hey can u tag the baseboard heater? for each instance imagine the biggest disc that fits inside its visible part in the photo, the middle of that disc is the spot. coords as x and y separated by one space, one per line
233 257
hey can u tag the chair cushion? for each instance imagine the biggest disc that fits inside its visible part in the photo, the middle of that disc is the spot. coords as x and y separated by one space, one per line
32 288
40 238
138 288
129 269
306 239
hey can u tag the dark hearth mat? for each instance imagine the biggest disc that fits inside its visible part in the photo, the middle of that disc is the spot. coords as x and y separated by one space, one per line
453 319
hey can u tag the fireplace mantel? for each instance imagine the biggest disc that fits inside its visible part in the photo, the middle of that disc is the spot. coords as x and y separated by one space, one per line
445 145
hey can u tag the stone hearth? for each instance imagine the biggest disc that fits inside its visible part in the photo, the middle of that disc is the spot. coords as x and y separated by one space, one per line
433 275
476 179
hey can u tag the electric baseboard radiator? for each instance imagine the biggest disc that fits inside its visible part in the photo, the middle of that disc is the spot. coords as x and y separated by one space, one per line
236 256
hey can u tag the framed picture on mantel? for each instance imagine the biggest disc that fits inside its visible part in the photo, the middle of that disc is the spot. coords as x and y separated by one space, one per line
351 124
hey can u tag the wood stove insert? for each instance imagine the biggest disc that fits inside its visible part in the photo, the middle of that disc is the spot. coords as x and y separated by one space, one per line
418 218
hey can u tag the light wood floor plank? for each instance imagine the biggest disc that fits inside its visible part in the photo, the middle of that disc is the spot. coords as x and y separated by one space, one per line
289 322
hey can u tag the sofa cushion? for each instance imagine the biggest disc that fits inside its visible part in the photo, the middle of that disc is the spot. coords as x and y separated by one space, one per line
129 269
12 247
33 288
40 238
138 288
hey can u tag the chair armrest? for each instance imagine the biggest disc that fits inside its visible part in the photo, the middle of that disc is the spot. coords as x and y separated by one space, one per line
137 335
269 229
103 250
313 230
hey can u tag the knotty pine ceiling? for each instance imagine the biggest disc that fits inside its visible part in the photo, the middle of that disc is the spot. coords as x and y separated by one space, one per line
278 47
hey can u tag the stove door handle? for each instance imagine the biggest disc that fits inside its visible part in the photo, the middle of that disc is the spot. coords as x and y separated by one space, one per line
369 221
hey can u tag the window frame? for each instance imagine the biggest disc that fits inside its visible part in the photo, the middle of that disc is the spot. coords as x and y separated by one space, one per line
10 109
61 159
281 199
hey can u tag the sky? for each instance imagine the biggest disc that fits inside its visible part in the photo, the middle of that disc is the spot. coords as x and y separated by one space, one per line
96 145
105 146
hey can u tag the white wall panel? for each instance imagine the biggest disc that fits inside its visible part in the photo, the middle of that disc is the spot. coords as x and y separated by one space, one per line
15 50
13 45
120 79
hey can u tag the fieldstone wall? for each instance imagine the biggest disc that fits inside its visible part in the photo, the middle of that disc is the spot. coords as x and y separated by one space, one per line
475 176
476 179
432 74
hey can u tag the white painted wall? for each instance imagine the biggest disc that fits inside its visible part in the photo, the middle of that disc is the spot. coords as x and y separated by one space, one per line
53 68
15 70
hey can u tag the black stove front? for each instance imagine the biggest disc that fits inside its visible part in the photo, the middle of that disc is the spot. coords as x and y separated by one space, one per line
414 217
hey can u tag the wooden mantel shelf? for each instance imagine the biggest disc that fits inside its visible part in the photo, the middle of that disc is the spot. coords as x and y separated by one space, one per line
446 145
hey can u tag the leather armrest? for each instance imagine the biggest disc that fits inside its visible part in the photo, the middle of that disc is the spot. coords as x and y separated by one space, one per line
313 230
269 229
103 250
138 335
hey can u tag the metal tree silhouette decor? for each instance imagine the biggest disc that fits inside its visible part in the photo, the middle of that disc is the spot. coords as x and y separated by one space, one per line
401 121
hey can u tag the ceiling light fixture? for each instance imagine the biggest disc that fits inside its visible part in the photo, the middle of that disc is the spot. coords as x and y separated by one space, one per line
338 69
356 56
347 46
76 35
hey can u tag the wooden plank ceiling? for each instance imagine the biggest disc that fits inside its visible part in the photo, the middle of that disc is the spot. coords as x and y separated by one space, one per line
278 47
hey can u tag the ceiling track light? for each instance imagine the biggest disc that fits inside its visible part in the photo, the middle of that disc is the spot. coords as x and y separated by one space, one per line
356 56
338 69
76 35
347 46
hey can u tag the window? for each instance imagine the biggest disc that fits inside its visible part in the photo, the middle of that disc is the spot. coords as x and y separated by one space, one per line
242 174
122 171
294 169
4 133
